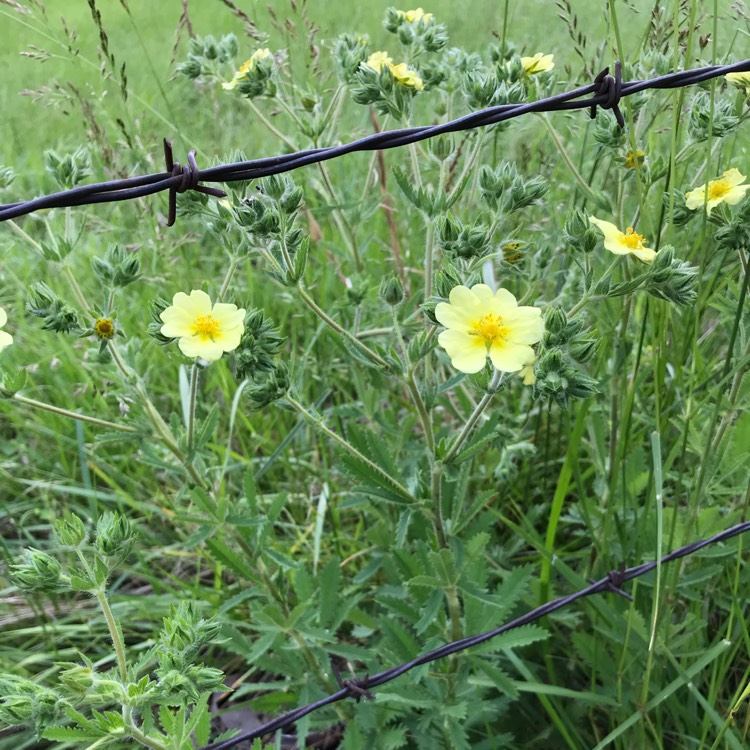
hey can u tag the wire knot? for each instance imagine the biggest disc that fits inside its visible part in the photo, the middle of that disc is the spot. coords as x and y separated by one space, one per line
611 87
357 687
189 175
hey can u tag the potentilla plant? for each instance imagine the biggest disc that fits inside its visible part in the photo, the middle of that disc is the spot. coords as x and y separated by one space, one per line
361 390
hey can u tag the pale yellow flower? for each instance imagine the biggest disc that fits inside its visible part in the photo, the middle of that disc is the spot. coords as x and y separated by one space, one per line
412 16
5 338
539 63
406 77
377 60
527 373
481 322
726 189
203 331
740 79
624 243
247 67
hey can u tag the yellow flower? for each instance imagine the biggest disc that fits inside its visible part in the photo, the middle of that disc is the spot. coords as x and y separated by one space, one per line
377 60
740 79
633 159
406 77
247 67
481 322
624 243
539 63
203 331
412 16
5 338
104 328
726 189
527 373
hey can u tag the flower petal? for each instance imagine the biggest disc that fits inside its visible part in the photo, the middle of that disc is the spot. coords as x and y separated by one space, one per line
5 340
695 198
645 254
195 346
736 194
733 176
3 317
507 356
468 353
453 316
524 325
179 318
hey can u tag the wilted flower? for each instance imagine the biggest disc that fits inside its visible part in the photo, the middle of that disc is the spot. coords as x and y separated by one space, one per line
635 159
539 63
104 328
203 331
5 338
726 189
247 67
406 77
412 16
628 242
481 322
377 60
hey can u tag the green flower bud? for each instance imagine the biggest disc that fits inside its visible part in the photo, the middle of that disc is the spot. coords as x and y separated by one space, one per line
70 531
356 294
392 290
7 175
38 572
446 279
77 678
584 350
579 233
114 536
350 51
273 387
711 117
57 316
117 268
191 68
555 321
258 217
672 279
68 170
156 307
205 679
259 344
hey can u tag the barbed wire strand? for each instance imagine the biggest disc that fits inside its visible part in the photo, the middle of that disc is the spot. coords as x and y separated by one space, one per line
359 688
606 91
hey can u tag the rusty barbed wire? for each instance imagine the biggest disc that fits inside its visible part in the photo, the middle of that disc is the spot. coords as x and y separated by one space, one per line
361 688
606 91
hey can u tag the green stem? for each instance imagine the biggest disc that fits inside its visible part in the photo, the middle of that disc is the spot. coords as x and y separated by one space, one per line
474 417
77 293
34 404
114 634
331 323
428 258
436 494
318 422
568 162
17 230
191 406
271 127
233 263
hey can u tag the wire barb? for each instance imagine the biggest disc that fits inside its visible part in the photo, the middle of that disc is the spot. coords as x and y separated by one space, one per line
189 175
611 87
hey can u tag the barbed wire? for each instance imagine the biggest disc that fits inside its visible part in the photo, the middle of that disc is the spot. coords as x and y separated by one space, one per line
361 688
606 91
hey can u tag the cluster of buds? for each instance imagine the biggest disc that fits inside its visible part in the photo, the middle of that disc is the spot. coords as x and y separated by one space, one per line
415 28
504 189
459 240
56 315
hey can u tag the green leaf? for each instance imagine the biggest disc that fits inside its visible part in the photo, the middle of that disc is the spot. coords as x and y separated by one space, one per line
224 554
329 579
63 734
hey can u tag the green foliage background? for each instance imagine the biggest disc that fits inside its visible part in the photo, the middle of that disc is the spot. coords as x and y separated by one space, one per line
303 560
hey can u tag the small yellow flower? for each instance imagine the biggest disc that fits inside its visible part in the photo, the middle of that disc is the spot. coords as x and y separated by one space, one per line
412 16
726 189
624 243
5 338
406 77
481 322
203 331
527 373
539 63
740 79
377 60
247 67
104 329
634 159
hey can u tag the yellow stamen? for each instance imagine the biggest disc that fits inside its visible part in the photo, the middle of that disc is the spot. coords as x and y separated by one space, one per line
718 188
490 328
632 239
104 328
206 327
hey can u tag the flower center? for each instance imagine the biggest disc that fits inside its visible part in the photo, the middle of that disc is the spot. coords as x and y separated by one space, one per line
206 327
632 239
717 189
490 328
104 328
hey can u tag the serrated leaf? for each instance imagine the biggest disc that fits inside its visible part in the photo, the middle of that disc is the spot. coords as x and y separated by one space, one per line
224 554
63 734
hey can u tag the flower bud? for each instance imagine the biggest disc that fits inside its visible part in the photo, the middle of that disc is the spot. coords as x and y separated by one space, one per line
117 268
555 320
114 536
77 678
38 572
45 304
68 170
391 290
7 175
70 531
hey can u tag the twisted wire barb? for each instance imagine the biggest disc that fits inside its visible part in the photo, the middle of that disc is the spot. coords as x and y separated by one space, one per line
360 688
606 91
